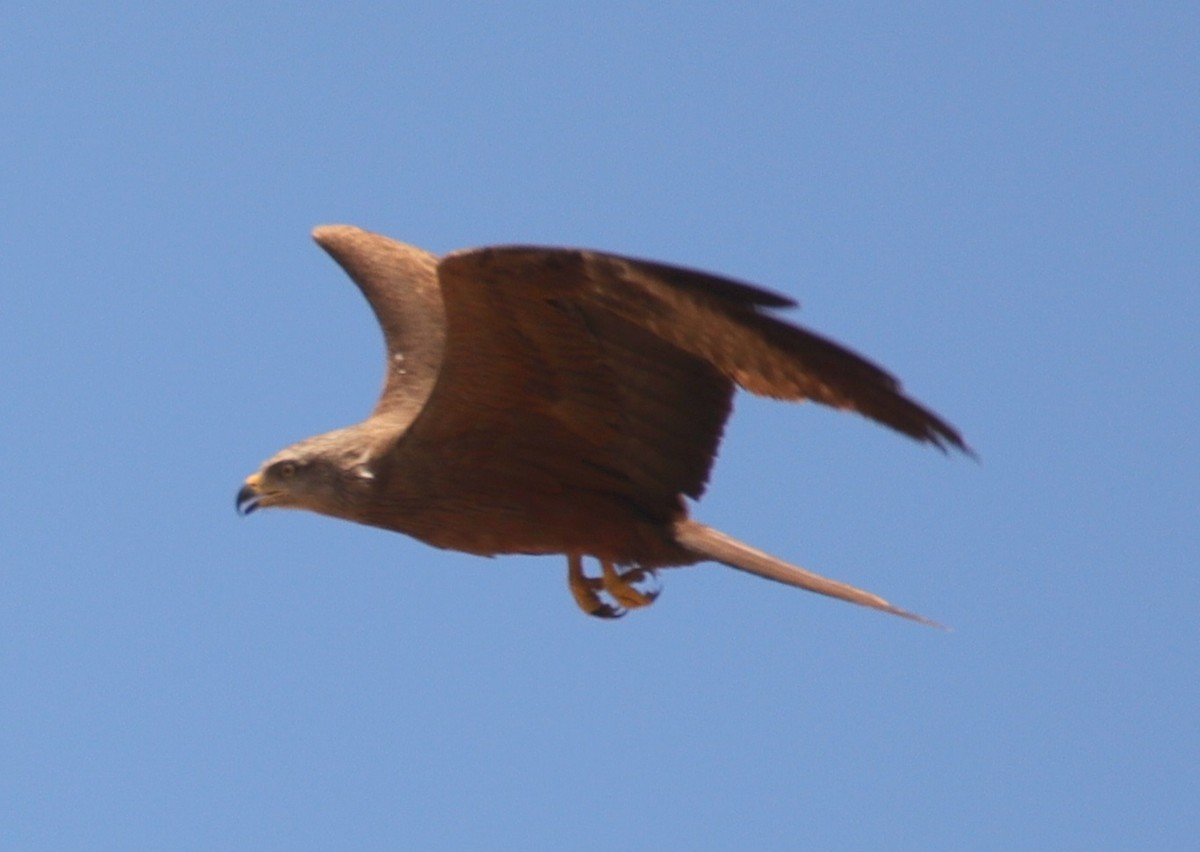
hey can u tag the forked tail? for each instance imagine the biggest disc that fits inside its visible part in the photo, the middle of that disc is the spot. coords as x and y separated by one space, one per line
712 544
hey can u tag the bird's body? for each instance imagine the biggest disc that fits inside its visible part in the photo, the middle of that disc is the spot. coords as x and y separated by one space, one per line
563 401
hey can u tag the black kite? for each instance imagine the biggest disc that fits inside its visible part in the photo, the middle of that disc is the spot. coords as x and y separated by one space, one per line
544 400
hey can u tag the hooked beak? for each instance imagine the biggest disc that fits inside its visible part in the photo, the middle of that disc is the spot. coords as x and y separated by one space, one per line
247 497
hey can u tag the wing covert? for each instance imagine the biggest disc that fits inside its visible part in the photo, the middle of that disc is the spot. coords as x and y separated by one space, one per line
539 374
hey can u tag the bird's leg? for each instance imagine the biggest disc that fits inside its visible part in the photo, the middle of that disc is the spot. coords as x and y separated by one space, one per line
622 588
584 589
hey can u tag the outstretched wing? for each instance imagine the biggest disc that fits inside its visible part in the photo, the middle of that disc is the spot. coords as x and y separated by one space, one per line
615 374
675 314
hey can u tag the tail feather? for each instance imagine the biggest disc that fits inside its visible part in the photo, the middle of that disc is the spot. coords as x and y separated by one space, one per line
712 544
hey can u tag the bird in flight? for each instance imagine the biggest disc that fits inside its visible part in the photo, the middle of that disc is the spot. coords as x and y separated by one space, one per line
563 401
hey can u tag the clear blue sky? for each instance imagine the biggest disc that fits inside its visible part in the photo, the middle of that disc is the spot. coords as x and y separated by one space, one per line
999 202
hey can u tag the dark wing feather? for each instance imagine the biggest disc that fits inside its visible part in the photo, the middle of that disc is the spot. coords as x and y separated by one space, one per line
723 322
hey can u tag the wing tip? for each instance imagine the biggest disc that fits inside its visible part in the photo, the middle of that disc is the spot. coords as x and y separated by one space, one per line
326 234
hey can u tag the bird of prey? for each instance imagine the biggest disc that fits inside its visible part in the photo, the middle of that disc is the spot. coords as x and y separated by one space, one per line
563 401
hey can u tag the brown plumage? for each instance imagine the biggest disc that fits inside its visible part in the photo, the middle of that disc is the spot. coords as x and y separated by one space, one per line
542 400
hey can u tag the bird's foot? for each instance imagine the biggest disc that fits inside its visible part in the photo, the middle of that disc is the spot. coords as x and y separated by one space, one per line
612 594
635 588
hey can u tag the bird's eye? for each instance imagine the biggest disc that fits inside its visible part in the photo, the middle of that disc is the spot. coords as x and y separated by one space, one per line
285 470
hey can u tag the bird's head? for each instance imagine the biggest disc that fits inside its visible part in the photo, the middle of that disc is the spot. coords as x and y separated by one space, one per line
329 474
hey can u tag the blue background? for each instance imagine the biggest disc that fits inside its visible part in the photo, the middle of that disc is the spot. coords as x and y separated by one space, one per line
999 202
